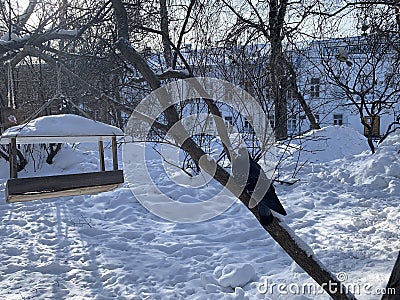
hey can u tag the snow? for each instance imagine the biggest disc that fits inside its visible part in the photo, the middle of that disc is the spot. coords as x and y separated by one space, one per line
67 32
327 144
6 39
236 275
108 246
60 128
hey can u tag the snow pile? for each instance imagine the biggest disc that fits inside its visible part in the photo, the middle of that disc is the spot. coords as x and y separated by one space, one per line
382 169
324 145
235 275
353 203
231 279
72 159
379 171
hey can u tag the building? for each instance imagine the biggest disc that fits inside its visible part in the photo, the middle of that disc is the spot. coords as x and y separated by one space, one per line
337 77
366 79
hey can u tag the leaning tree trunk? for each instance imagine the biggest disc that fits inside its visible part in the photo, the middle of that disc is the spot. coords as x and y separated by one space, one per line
293 83
20 160
278 230
394 283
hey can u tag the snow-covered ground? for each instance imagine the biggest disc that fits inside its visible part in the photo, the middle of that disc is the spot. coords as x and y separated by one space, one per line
108 246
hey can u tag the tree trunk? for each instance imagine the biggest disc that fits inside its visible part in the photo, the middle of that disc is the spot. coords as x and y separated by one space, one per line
53 152
307 110
277 69
394 283
371 143
165 33
279 91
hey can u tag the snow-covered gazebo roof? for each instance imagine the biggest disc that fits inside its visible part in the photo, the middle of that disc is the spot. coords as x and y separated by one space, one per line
65 128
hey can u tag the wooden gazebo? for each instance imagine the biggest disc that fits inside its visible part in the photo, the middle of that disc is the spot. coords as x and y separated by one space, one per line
33 188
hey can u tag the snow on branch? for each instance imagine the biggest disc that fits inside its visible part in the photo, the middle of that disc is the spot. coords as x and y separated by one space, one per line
22 19
15 29
180 74
17 43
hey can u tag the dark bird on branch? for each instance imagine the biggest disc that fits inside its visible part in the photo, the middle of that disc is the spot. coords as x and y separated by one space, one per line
249 174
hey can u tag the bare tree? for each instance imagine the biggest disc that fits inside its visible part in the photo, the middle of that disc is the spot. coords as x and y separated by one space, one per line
370 79
270 20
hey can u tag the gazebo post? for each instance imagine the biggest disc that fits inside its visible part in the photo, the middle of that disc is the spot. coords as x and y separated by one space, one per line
114 153
101 155
12 154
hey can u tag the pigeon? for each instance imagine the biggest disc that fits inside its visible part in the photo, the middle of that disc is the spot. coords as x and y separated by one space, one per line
249 174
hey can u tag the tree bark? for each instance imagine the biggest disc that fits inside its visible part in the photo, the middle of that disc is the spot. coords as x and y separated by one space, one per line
53 152
165 33
278 77
307 110
397 14
394 282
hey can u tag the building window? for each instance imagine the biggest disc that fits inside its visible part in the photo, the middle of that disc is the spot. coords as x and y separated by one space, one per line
375 128
188 48
248 127
271 120
392 78
292 124
291 94
229 123
338 119
228 120
314 87
210 126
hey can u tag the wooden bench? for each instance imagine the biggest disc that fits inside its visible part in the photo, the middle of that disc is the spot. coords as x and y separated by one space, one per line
33 188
